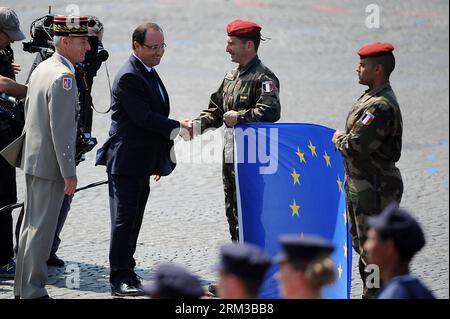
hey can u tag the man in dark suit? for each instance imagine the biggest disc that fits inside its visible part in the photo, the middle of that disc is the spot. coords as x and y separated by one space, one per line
140 145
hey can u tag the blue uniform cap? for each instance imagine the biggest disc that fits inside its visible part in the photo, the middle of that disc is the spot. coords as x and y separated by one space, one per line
397 224
296 248
243 260
174 282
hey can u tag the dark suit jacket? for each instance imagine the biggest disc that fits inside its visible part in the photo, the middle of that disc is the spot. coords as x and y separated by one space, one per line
140 136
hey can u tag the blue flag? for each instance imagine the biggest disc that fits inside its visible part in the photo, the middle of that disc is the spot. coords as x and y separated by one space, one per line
290 180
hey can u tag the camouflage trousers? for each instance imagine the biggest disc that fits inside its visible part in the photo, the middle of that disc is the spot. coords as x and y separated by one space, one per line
229 186
363 202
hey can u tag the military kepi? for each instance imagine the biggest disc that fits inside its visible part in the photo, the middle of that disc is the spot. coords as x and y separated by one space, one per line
70 26
243 260
173 281
243 29
375 49
303 248
399 225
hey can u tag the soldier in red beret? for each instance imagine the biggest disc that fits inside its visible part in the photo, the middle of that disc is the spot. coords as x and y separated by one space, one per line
371 145
249 93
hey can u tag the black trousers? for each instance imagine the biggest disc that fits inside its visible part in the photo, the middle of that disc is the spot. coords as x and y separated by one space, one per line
127 199
8 195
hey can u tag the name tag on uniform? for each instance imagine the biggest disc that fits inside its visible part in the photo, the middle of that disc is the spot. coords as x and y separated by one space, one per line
267 86
67 83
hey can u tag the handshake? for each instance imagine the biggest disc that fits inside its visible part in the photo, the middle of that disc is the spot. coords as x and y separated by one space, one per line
188 128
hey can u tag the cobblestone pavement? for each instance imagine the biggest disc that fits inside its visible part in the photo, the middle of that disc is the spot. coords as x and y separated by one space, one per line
313 52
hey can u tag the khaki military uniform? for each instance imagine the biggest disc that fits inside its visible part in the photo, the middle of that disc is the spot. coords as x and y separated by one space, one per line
371 147
46 153
252 91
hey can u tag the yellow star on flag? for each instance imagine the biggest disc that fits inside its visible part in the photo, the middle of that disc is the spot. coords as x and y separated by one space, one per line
345 217
295 209
345 250
313 149
339 183
340 271
296 177
327 159
301 155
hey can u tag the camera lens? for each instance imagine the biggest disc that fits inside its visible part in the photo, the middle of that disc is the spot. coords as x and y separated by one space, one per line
103 55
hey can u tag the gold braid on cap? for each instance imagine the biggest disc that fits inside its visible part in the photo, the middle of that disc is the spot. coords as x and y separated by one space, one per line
70 25
65 28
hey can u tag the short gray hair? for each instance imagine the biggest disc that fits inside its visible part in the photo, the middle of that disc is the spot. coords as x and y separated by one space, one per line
57 40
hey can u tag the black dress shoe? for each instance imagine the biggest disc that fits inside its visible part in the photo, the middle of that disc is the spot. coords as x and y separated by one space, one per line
55 261
212 288
124 289
137 281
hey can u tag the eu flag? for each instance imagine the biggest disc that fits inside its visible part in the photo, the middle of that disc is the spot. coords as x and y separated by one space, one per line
290 180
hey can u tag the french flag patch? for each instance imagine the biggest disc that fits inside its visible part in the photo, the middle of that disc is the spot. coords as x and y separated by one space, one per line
267 86
367 118
67 84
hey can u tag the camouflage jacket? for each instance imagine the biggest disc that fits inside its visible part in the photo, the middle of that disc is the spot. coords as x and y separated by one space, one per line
373 140
252 91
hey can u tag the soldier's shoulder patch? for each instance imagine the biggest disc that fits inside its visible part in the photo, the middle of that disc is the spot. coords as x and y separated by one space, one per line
367 118
67 83
267 86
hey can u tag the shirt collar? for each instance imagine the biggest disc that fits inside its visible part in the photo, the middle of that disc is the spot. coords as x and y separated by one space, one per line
249 65
378 89
69 64
404 278
147 67
372 92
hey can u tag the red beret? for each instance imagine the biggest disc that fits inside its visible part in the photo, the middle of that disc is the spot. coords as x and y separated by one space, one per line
243 29
375 49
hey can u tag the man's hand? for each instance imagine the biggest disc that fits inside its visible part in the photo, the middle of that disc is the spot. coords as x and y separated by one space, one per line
187 130
230 118
336 135
16 67
70 185
156 177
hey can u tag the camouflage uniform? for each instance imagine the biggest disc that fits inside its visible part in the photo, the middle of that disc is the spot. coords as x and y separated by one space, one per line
371 146
241 91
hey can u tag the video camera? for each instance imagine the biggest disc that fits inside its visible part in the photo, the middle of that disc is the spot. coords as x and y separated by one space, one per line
85 143
10 108
41 31
41 36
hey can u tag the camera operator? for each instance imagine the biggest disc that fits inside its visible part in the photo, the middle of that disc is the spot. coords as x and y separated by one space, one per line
84 76
10 129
